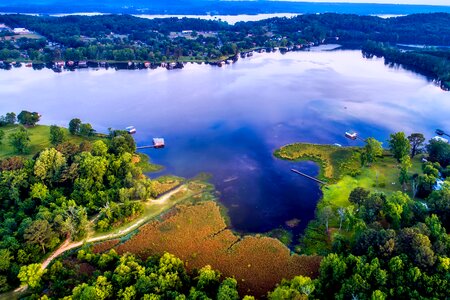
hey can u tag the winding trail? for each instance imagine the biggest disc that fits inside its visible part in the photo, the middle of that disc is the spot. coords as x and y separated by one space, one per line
69 245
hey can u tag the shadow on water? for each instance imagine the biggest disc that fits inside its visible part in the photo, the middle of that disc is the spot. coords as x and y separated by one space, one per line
259 191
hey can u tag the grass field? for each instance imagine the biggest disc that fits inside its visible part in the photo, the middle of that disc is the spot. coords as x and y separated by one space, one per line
382 176
198 234
334 161
40 139
341 167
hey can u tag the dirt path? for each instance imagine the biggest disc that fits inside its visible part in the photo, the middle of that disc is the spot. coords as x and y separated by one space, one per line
69 245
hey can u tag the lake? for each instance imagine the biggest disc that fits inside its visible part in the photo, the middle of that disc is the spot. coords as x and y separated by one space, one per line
230 19
228 121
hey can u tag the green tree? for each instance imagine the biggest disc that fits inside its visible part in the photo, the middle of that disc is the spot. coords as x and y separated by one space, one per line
75 221
31 275
86 129
333 270
439 151
370 211
399 145
208 280
84 292
416 141
394 207
439 203
57 135
41 233
371 151
228 290
325 214
28 118
49 165
99 148
10 118
404 168
20 139
74 126
39 191
358 196
121 142
5 260
299 287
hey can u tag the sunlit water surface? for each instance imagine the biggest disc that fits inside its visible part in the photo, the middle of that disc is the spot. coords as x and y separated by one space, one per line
228 121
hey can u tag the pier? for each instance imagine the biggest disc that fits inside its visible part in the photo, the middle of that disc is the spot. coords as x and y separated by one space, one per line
145 147
309 177
157 143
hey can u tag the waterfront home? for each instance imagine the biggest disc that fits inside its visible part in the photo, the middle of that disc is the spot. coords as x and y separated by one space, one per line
351 135
131 129
440 139
21 31
158 143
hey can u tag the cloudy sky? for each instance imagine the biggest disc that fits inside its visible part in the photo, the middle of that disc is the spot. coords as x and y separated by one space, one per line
429 2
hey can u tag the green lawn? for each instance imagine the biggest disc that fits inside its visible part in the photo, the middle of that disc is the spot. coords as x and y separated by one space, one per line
382 176
334 161
341 168
40 140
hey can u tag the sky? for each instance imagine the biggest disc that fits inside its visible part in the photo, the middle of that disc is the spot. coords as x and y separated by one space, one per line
426 2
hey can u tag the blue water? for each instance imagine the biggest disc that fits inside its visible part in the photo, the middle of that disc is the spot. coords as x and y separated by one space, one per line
228 121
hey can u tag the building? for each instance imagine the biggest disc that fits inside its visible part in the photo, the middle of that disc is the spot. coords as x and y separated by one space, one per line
131 129
21 31
158 143
3 27
440 139
351 135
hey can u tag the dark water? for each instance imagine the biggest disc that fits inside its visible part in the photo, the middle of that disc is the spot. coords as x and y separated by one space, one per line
228 121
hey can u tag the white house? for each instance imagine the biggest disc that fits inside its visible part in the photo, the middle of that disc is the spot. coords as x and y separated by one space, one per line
21 31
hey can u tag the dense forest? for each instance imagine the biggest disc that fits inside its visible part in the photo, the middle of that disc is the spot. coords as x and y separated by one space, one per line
49 197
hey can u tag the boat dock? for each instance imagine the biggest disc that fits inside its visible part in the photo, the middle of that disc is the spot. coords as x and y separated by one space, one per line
157 143
309 177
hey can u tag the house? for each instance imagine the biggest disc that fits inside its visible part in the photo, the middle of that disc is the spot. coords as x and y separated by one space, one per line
440 139
351 135
131 129
21 31
3 27
158 143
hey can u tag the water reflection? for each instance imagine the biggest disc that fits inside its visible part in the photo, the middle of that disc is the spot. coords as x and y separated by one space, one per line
227 121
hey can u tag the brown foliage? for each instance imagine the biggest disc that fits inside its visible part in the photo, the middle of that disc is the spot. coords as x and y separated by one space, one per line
104 246
12 163
198 235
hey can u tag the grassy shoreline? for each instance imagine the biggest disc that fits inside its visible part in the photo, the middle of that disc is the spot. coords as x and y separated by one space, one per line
39 140
341 168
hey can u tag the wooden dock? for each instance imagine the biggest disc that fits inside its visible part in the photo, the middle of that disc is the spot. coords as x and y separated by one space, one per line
145 147
309 177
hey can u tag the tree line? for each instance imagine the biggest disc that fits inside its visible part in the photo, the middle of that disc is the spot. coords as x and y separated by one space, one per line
124 37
